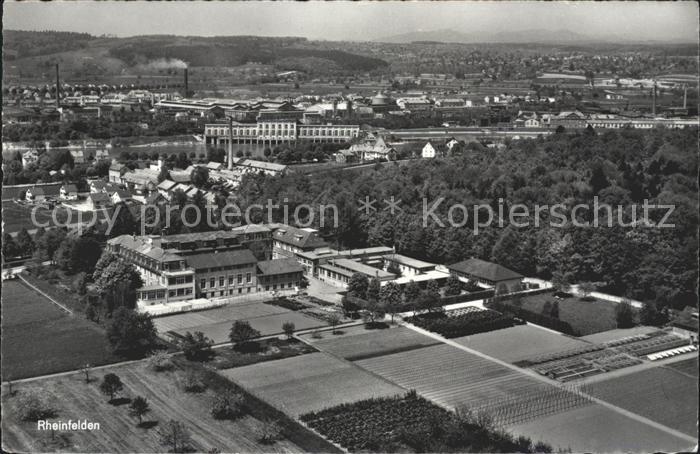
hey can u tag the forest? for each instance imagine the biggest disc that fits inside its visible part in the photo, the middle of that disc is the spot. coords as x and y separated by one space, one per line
622 168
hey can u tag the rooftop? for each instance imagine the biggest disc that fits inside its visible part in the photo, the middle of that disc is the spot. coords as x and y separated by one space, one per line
221 259
358 267
485 270
280 266
410 262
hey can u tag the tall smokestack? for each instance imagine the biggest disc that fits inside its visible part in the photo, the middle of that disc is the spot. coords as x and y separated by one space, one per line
58 85
230 143
186 87
685 97
653 106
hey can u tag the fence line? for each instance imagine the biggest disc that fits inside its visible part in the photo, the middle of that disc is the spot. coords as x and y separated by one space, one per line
45 295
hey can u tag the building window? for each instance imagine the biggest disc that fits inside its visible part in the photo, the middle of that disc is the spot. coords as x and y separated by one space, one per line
203 283
171 293
240 278
188 291
212 282
222 281
248 278
230 280
240 290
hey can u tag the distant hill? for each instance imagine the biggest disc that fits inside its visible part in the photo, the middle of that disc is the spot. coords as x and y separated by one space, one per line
109 54
523 36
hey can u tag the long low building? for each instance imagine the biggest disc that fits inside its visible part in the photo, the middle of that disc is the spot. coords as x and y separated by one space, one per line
277 132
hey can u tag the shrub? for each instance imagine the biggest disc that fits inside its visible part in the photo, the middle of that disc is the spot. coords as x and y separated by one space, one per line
463 324
160 361
192 382
197 347
269 432
33 407
227 405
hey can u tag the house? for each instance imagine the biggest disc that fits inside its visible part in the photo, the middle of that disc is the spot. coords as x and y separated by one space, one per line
488 274
116 170
29 157
372 151
99 200
35 194
68 192
120 195
165 188
181 176
211 165
98 186
344 156
429 151
281 274
288 240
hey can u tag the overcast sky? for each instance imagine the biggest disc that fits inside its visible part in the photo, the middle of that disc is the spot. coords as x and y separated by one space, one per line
358 20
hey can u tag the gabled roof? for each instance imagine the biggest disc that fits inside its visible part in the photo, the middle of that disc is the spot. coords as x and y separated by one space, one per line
166 185
36 190
70 188
221 259
303 238
99 197
180 177
485 270
214 165
279 266
122 193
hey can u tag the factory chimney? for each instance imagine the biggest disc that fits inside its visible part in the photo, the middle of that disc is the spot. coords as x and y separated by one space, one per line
230 143
653 95
186 85
58 85
685 96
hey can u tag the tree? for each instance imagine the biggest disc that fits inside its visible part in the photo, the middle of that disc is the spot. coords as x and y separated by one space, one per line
598 180
200 176
242 332
33 407
453 286
650 315
554 311
269 433
117 282
624 314
227 405
111 385
390 298
586 288
349 304
130 333
164 174
124 222
357 285
9 247
334 321
288 329
138 408
372 293
561 282
197 347
411 292
86 370
25 243
176 436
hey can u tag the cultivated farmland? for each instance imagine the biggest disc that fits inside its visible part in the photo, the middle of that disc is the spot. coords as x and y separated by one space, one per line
519 342
687 366
595 428
74 399
660 394
310 382
216 323
39 338
357 342
455 378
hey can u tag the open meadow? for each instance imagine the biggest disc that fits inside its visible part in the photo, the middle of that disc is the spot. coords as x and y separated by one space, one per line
585 317
74 399
519 342
39 338
661 394
358 342
310 382
216 323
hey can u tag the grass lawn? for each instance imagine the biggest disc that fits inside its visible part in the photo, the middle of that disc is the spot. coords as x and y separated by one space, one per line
309 383
59 288
519 342
595 428
16 216
268 350
585 317
74 399
358 342
687 366
39 338
661 394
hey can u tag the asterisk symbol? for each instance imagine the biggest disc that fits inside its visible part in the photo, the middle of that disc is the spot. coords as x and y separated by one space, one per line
366 205
392 205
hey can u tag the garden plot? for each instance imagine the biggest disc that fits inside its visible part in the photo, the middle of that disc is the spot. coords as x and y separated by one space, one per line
359 343
661 394
310 382
455 378
519 342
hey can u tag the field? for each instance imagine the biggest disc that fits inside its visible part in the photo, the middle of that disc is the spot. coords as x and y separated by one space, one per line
455 378
74 399
687 366
595 428
519 343
618 333
661 394
309 382
462 322
39 338
216 323
585 317
357 342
